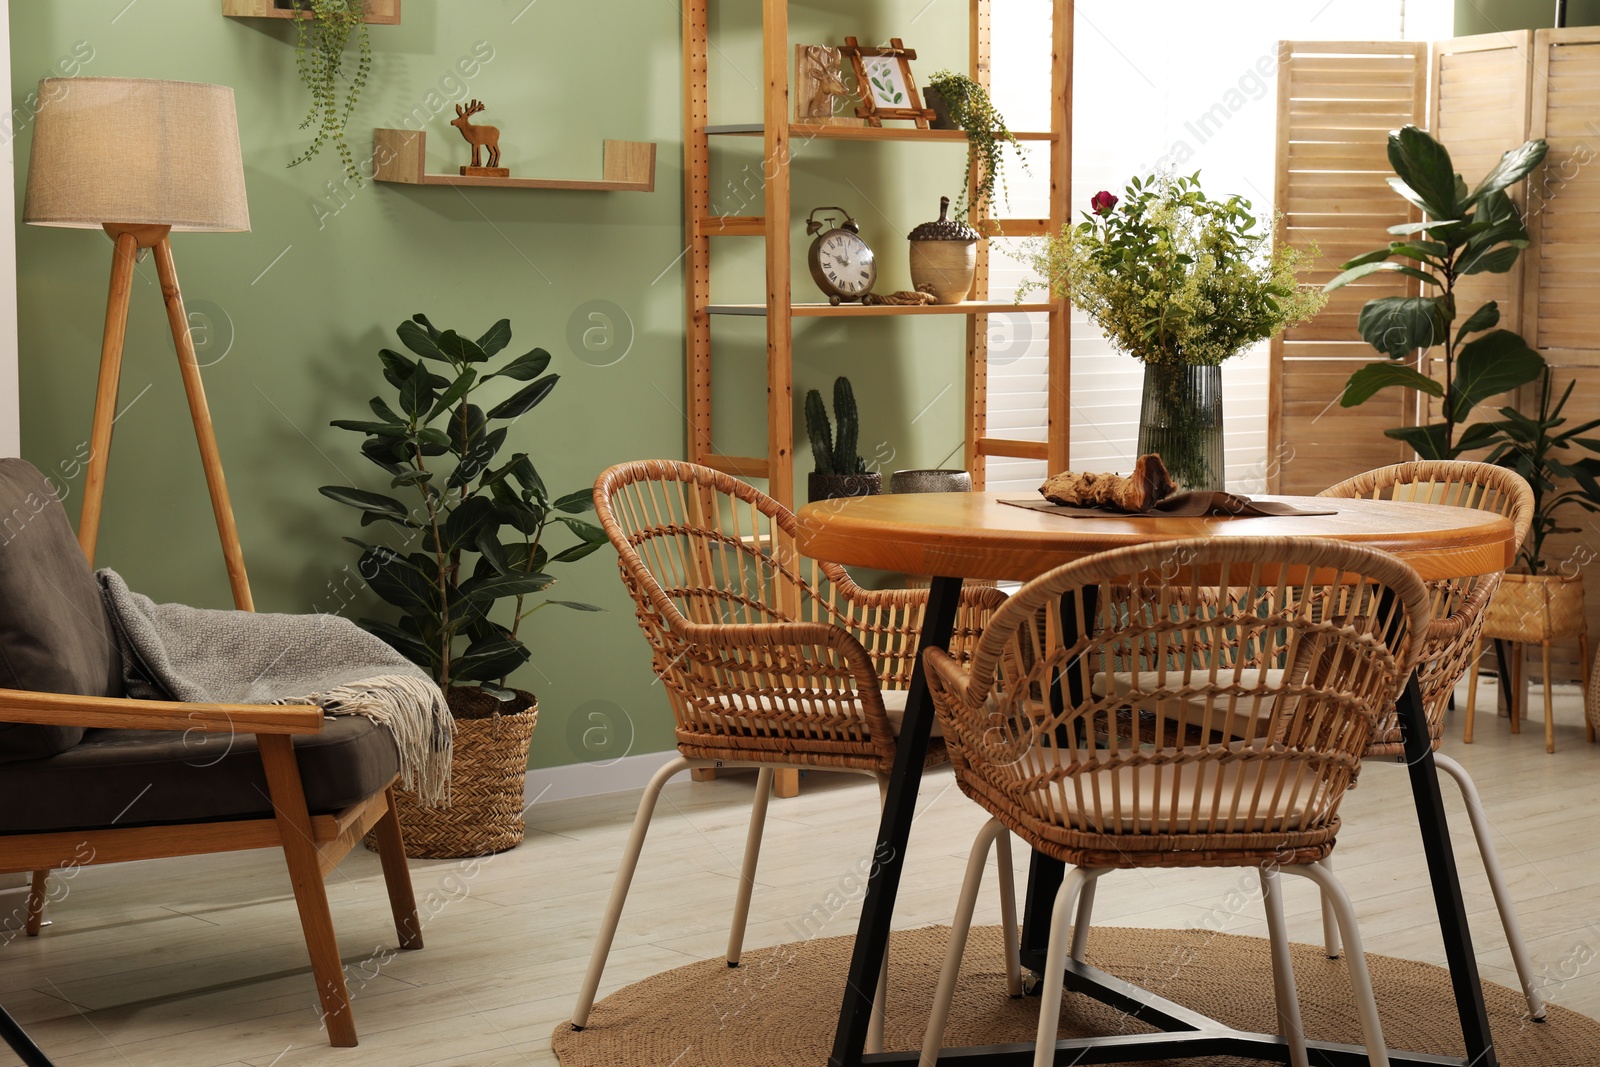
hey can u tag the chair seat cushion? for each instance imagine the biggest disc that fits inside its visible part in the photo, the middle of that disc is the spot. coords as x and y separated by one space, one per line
1247 795
1247 718
894 709
148 777
54 633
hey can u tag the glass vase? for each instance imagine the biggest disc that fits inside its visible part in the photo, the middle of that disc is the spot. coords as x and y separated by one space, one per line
1181 421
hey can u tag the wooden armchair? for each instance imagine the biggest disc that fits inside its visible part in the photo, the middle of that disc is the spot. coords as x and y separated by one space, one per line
89 777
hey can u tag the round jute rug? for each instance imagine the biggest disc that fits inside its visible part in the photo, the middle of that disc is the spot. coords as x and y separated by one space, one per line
780 1006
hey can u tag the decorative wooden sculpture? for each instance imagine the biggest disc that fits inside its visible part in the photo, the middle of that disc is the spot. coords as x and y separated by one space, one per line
818 79
1146 487
480 137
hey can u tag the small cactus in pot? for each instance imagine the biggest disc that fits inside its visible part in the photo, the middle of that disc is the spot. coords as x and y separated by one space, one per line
840 470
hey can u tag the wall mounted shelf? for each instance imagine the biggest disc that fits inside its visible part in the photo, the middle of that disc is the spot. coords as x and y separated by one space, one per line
399 155
378 12
805 131
857 311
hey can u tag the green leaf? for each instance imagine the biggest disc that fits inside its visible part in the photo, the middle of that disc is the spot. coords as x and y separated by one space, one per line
1477 435
458 389
1495 363
1366 269
416 395
1429 252
497 586
488 545
1406 229
468 521
487 660
384 411
576 552
408 645
495 338
525 399
576 503
1399 325
1427 441
1377 255
416 338
1424 164
1364 383
382 451
525 367
411 477
399 584
459 349
586 531
575 605
1498 261
379 429
1512 168
1485 318
386 507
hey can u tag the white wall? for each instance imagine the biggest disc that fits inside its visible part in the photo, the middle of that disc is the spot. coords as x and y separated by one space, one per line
10 428
1146 76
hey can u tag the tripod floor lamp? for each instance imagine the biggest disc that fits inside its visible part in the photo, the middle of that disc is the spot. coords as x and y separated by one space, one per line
142 158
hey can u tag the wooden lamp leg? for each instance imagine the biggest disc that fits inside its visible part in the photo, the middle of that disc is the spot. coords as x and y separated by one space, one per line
123 255
210 458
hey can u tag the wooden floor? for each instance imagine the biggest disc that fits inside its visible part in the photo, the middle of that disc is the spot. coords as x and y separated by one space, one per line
199 963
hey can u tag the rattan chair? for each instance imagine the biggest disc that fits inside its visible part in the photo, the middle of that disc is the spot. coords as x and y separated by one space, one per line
1453 643
769 659
1052 761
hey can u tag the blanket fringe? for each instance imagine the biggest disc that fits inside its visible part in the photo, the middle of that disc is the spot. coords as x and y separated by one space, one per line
414 710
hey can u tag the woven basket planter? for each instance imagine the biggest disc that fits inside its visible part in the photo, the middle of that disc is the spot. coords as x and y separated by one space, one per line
1535 608
487 772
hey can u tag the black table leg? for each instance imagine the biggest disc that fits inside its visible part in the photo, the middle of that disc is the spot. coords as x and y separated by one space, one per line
1446 884
21 1043
894 831
1502 661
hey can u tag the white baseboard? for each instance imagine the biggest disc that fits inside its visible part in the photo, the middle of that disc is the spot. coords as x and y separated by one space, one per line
593 779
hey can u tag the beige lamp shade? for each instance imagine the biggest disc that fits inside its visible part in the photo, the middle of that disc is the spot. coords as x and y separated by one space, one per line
138 151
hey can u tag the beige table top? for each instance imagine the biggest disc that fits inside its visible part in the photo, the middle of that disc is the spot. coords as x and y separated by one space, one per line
973 535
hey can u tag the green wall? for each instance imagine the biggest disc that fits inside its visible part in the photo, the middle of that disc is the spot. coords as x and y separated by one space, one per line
1489 16
291 315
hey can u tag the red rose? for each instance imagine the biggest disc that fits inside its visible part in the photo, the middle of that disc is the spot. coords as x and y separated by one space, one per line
1102 203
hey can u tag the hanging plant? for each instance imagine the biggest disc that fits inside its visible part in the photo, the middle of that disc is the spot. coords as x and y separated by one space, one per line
320 43
987 137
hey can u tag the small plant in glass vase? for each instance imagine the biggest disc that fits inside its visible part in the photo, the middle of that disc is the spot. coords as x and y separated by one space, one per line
466 560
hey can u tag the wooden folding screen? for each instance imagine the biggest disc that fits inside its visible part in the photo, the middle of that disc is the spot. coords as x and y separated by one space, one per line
1337 102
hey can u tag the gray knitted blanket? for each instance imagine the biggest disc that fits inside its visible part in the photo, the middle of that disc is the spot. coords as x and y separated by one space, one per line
174 652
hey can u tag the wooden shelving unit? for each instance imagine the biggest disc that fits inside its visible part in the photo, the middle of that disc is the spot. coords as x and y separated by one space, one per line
780 135
378 12
399 156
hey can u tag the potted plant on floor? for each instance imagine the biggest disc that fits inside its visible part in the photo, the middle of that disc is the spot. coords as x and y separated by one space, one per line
1181 282
474 543
1465 233
320 40
961 103
1538 604
840 470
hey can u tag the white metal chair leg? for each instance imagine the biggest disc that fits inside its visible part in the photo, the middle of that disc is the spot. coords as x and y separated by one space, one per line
933 1039
1497 882
1330 924
747 874
1009 934
1055 965
1080 922
1289 1024
1355 957
880 998
619 889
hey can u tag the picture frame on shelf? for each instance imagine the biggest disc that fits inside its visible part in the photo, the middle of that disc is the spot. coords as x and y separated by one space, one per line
884 83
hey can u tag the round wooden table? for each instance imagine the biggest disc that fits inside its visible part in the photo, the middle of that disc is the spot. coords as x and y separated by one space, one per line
955 536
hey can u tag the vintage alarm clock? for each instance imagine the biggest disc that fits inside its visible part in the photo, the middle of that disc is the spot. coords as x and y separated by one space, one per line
841 262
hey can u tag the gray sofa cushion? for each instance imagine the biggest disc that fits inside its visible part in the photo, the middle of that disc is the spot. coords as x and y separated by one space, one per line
55 636
147 777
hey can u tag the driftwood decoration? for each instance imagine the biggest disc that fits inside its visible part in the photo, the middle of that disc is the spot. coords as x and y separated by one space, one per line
480 137
1147 486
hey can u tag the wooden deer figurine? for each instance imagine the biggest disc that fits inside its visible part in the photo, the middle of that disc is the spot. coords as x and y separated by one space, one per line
478 137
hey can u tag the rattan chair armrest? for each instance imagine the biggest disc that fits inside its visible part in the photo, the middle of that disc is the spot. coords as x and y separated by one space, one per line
117 713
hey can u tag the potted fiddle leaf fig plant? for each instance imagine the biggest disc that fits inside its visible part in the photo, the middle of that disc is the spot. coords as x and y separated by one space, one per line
1539 603
322 31
840 470
466 561
1464 233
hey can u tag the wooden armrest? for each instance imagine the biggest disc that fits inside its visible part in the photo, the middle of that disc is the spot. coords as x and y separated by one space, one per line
116 713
